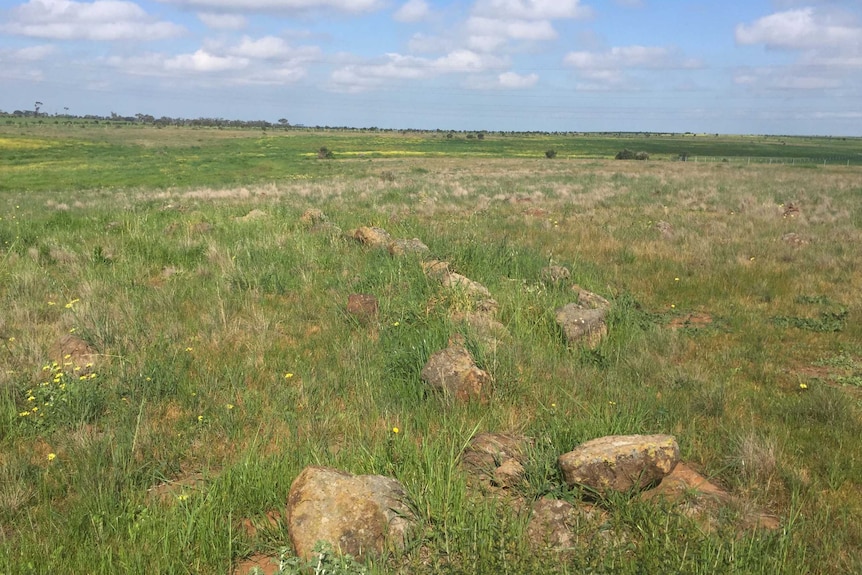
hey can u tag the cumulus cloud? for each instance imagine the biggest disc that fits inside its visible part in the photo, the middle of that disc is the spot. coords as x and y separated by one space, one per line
99 20
828 42
28 54
266 60
799 29
412 11
493 23
620 57
203 61
609 69
349 6
531 9
513 80
366 76
219 21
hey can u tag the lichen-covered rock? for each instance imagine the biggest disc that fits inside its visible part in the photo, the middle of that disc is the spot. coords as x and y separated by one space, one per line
555 274
453 371
401 247
457 281
496 458
483 327
313 216
372 236
583 326
590 300
620 462
435 269
356 514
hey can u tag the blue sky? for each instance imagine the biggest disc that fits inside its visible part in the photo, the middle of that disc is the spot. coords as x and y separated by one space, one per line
758 66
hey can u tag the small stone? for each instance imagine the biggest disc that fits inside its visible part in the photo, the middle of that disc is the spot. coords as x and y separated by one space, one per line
372 236
555 274
402 247
363 307
312 216
453 372
581 325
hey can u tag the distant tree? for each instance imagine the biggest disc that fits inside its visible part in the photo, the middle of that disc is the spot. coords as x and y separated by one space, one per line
283 122
481 135
551 154
36 108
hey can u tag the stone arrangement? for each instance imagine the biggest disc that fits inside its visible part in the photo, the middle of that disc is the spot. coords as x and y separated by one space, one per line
367 514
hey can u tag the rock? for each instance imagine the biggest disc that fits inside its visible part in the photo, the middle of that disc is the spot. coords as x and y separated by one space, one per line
403 247
457 281
362 306
73 353
664 228
551 524
356 514
436 269
703 501
372 236
555 274
453 372
590 300
620 462
252 215
509 474
791 210
496 458
313 216
482 325
581 325
794 239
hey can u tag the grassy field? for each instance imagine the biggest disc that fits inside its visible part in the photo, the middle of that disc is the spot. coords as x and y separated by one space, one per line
226 363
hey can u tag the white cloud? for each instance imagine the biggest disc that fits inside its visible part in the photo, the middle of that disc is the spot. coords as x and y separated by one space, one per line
99 20
218 21
361 77
203 61
531 9
350 6
800 29
621 57
29 54
412 11
513 80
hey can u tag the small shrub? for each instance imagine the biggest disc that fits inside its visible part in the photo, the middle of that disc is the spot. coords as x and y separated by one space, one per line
551 154
627 154
325 153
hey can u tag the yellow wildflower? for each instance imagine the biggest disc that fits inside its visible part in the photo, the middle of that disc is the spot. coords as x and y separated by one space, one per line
52 456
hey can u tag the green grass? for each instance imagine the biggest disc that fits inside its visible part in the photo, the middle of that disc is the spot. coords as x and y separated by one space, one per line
227 361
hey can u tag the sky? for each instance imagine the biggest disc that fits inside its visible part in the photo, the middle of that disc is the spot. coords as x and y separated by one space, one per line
730 67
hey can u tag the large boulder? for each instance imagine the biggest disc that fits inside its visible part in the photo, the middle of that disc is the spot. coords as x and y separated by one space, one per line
453 371
356 514
582 326
620 462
